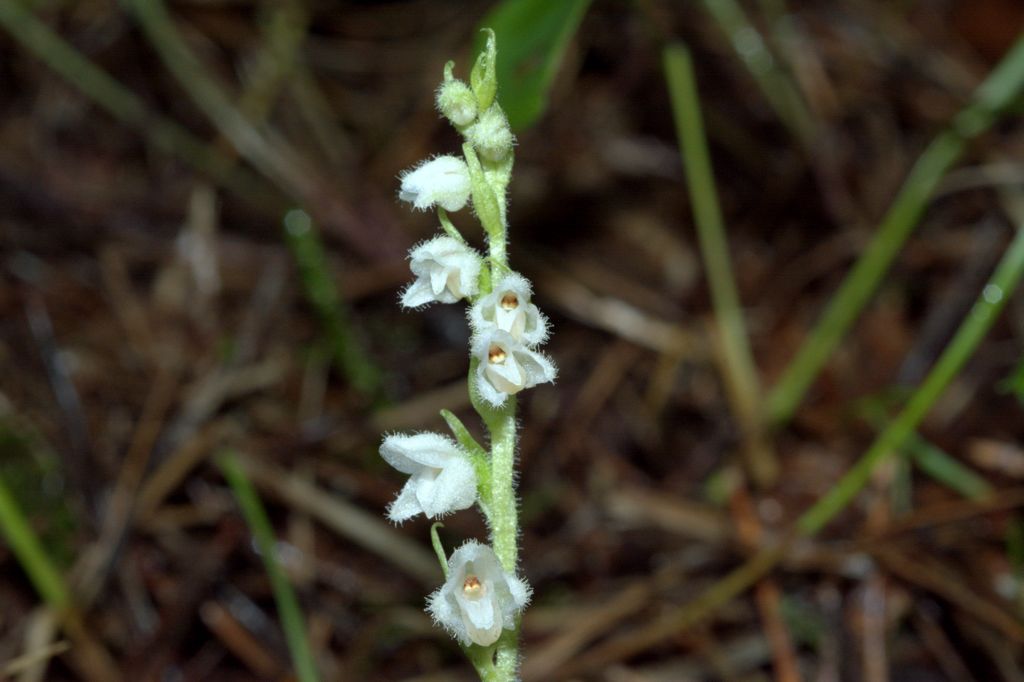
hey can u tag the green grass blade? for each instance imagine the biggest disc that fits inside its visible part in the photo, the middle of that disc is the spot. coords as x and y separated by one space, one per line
292 621
998 91
124 105
775 84
738 360
971 332
533 35
349 357
969 335
946 469
45 577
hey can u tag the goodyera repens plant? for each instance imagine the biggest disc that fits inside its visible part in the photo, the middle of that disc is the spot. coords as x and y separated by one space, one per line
482 598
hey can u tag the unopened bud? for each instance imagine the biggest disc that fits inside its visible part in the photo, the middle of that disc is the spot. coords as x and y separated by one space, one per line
491 134
455 100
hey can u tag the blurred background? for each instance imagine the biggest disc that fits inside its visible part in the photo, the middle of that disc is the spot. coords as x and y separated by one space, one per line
155 314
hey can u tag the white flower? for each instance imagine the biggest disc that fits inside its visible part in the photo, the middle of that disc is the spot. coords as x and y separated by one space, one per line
508 308
443 181
479 598
446 270
505 366
441 480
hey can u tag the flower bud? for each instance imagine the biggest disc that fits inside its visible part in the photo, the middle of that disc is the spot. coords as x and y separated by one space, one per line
455 100
479 598
491 134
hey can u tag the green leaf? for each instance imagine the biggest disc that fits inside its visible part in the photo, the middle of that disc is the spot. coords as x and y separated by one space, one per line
485 203
462 435
477 456
533 35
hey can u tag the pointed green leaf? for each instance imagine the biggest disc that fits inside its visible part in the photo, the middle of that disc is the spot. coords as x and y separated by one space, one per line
483 78
534 35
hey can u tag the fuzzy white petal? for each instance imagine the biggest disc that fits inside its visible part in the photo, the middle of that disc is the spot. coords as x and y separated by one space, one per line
405 506
417 294
446 270
487 390
441 477
409 453
520 592
538 367
453 488
442 181
483 625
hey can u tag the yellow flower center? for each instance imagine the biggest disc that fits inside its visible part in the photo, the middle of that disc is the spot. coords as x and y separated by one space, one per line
496 355
509 302
472 586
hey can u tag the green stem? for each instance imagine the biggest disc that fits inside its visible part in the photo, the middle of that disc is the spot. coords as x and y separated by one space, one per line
501 423
505 518
292 621
487 202
501 509
738 360
993 96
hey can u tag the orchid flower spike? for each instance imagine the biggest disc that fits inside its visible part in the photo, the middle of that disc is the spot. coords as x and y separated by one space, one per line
479 598
508 308
446 270
505 366
441 181
441 480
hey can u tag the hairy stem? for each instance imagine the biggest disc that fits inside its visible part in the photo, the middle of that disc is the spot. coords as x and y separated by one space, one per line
505 519
489 199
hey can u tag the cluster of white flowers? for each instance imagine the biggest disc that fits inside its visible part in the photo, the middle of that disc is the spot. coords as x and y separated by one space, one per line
507 327
480 597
